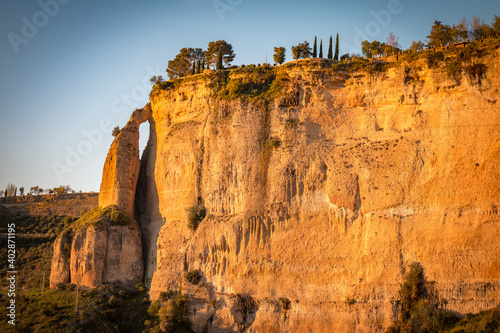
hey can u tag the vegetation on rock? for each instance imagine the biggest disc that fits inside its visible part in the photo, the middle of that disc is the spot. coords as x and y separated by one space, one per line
195 215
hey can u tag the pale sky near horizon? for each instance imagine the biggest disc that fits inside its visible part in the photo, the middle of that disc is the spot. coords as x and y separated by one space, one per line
71 70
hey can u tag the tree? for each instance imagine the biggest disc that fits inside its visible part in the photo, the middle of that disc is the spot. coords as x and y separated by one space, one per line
279 55
116 131
440 34
21 191
301 51
371 49
479 29
181 65
330 49
365 48
202 65
393 43
62 189
10 190
417 46
321 49
156 79
315 48
193 69
226 49
496 24
336 56
198 67
376 48
460 33
219 61
35 190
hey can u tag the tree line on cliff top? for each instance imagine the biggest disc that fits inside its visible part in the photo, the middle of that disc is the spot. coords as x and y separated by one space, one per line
218 54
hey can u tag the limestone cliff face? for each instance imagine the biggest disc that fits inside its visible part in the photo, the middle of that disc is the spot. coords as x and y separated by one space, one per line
325 194
121 169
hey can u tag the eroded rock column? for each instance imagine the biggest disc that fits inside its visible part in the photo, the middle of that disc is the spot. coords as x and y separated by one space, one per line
121 169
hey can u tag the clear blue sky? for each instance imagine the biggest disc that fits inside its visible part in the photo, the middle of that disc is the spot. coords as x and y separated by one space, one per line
70 71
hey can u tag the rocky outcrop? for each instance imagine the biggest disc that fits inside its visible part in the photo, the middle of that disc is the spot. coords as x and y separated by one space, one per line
325 194
121 169
99 253
105 245
59 267
109 254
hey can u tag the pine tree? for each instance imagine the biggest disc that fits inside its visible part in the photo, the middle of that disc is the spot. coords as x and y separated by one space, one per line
315 47
198 67
336 56
279 55
330 50
219 61
321 49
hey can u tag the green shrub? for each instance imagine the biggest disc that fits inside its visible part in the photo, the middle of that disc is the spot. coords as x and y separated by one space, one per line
112 301
119 217
195 215
351 301
434 59
154 308
194 276
274 142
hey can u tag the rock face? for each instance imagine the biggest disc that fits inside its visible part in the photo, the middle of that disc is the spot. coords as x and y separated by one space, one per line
93 255
324 194
121 169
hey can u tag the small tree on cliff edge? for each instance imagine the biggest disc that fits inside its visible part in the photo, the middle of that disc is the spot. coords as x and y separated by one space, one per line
279 55
321 49
336 56
330 49
219 61
116 131
315 48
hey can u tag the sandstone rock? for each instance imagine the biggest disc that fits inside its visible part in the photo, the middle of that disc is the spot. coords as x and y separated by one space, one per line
59 268
121 169
367 174
97 251
107 254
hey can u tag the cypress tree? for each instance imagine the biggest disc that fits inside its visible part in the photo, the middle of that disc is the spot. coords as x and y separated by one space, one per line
219 61
315 47
330 50
203 66
198 67
336 56
193 69
321 49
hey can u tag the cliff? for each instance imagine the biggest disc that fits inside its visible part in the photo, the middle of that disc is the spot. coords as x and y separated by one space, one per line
324 193
321 185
